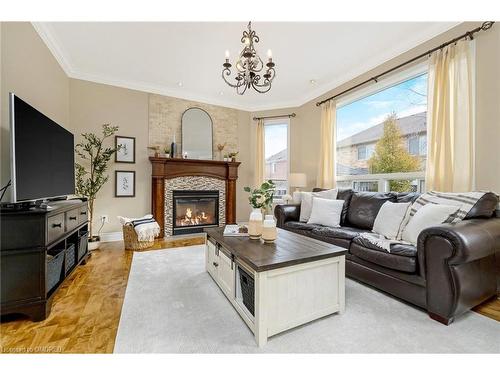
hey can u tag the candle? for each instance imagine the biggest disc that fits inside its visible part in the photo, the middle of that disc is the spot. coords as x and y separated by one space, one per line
227 54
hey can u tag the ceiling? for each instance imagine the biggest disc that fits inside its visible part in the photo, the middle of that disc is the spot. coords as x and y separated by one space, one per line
157 56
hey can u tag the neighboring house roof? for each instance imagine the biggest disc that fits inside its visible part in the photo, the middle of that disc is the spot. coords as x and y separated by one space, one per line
279 156
346 170
413 124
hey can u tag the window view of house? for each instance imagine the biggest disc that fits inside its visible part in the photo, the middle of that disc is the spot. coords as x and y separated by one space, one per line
382 139
276 155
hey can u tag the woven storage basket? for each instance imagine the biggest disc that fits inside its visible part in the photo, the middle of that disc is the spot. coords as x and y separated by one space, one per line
131 241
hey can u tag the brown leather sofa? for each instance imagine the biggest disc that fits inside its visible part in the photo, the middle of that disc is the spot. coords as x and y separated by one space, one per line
451 270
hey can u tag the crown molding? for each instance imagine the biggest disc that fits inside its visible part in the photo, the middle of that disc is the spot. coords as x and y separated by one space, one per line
45 32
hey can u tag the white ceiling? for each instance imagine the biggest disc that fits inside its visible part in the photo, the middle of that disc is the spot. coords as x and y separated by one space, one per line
155 57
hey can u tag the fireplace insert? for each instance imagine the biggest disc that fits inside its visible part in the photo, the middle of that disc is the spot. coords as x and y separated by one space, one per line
194 210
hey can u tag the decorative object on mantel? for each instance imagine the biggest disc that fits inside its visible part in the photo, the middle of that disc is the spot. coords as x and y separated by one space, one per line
90 171
166 150
269 231
226 157
232 156
261 199
249 65
125 147
173 148
156 150
197 134
124 184
220 148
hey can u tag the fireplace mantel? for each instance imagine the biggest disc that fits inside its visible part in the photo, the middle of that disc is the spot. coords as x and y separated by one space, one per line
166 168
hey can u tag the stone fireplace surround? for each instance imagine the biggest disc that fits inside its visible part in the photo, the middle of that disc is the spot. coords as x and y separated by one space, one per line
170 174
192 183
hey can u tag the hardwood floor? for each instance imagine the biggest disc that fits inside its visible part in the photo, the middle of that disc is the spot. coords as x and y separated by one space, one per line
86 309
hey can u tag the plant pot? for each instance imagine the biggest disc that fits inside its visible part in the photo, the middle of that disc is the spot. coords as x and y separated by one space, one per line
94 243
255 224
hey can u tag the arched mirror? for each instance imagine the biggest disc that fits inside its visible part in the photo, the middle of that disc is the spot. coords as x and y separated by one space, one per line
197 134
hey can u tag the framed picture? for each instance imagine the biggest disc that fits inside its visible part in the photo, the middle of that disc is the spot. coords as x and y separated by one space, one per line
126 153
124 184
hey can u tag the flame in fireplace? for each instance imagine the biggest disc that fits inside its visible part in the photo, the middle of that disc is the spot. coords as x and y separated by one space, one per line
191 218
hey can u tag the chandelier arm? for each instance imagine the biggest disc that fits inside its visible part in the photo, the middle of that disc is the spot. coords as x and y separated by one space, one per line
227 72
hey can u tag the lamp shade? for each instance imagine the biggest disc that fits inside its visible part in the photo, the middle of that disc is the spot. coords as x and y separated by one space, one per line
297 180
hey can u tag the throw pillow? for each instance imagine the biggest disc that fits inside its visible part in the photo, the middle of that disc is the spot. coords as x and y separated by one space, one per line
306 201
326 212
390 218
427 216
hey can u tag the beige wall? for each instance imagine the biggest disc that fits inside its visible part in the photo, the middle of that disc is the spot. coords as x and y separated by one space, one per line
30 71
94 104
304 129
488 110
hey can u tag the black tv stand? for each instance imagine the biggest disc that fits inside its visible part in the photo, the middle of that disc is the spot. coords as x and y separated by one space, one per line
39 248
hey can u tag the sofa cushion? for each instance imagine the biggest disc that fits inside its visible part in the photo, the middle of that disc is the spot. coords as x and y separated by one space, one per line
342 232
407 197
364 208
301 227
345 195
484 207
406 250
391 260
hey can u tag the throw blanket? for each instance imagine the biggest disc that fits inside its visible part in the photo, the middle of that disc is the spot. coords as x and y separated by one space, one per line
146 227
463 201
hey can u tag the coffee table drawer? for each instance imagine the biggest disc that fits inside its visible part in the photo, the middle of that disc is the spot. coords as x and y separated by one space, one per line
55 227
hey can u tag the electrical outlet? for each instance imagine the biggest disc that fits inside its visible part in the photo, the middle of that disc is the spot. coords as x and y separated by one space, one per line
104 219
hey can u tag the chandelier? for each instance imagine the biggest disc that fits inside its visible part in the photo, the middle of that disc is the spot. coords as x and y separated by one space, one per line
249 67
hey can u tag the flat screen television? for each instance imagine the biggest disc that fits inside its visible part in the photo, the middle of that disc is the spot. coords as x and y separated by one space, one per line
42 155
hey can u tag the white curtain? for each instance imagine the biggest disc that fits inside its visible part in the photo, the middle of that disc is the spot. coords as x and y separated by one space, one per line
327 146
450 118
259 154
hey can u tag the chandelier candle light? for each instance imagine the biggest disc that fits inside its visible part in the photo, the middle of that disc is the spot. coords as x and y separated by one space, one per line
249 67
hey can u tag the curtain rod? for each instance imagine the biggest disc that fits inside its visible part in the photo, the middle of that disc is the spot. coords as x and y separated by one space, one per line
469 34
280 116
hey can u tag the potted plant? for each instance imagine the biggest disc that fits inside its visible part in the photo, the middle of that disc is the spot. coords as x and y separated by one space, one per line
226 157
261 199
166 150
91 170
232 155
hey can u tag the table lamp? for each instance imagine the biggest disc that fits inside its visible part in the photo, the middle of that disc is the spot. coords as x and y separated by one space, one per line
297 180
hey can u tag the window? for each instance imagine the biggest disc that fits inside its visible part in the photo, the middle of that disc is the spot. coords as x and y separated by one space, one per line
413 145
276 155
365 152
417 145
387 118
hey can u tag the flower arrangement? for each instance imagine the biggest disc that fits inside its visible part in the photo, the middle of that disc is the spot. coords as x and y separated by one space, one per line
261 197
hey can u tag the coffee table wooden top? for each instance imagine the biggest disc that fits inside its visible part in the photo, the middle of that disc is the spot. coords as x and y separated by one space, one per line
288 249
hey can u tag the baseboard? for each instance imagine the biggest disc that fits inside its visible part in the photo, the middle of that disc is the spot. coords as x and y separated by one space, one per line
111 236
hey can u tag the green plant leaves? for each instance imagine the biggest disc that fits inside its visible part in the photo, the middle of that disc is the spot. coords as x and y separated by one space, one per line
261 197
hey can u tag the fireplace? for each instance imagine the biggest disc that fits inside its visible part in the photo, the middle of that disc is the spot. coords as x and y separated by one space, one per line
194 210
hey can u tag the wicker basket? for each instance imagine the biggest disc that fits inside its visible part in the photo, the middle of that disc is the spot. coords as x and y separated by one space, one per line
131 241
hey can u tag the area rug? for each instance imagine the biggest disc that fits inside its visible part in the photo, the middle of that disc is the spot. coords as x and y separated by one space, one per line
173 306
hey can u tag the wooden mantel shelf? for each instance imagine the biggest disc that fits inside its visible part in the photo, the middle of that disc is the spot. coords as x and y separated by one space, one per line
166 168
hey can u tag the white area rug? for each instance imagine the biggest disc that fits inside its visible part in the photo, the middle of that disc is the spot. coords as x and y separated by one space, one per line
173 306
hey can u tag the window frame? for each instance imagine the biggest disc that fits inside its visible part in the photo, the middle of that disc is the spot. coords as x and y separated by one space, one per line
275 122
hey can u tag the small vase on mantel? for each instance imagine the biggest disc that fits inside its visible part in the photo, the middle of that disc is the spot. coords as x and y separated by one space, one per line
255 224
269 231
